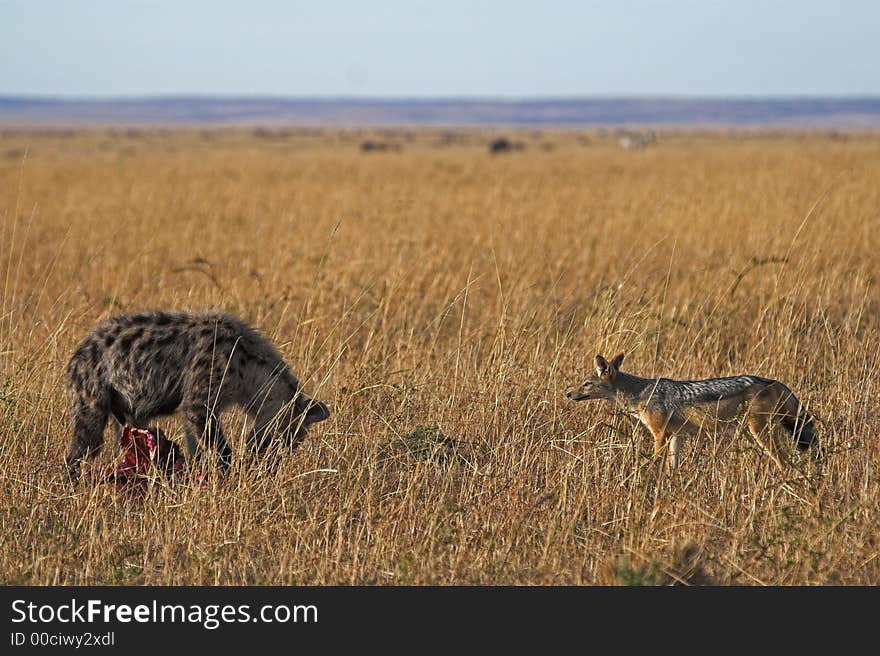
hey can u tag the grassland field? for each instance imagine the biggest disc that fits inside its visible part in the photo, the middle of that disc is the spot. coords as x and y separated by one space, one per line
441 300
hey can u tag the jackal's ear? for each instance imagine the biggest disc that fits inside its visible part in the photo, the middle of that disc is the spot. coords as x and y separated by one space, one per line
617 361
602 366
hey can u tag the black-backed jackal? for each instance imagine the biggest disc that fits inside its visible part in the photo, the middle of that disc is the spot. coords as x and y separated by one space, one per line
672 408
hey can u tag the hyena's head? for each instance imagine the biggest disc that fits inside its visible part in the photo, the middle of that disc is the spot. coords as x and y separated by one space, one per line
601 384
305 412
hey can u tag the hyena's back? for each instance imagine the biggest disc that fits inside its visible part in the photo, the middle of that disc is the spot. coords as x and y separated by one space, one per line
139 366
148 364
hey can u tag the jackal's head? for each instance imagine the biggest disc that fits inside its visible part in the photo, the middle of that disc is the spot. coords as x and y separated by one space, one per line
600 385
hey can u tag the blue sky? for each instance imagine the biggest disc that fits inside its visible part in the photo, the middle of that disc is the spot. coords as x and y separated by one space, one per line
440 48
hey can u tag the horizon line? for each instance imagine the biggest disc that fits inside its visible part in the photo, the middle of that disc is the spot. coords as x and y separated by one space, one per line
435 99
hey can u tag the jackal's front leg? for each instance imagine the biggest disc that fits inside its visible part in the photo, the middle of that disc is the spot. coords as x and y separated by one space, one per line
666 442
665 448
659 436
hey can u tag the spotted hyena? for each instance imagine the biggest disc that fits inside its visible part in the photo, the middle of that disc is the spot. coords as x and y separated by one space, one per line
137 367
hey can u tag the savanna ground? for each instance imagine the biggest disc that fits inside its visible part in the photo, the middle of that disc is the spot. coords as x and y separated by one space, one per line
441 300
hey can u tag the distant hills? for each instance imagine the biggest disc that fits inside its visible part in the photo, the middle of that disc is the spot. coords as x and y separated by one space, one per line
808 112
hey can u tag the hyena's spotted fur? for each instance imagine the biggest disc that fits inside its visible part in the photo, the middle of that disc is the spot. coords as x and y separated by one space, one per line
136 367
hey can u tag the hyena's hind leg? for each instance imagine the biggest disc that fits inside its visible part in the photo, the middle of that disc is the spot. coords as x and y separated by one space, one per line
203 427
89 402
89 420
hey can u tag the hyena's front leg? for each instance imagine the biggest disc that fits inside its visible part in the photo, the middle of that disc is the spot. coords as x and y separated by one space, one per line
89 420
761 428
267 421
260 436
200 426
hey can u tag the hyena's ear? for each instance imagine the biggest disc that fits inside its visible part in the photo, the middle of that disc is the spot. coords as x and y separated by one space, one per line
617 361
601 366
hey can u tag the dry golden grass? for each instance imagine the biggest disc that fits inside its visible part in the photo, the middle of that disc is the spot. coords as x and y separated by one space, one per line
441 300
